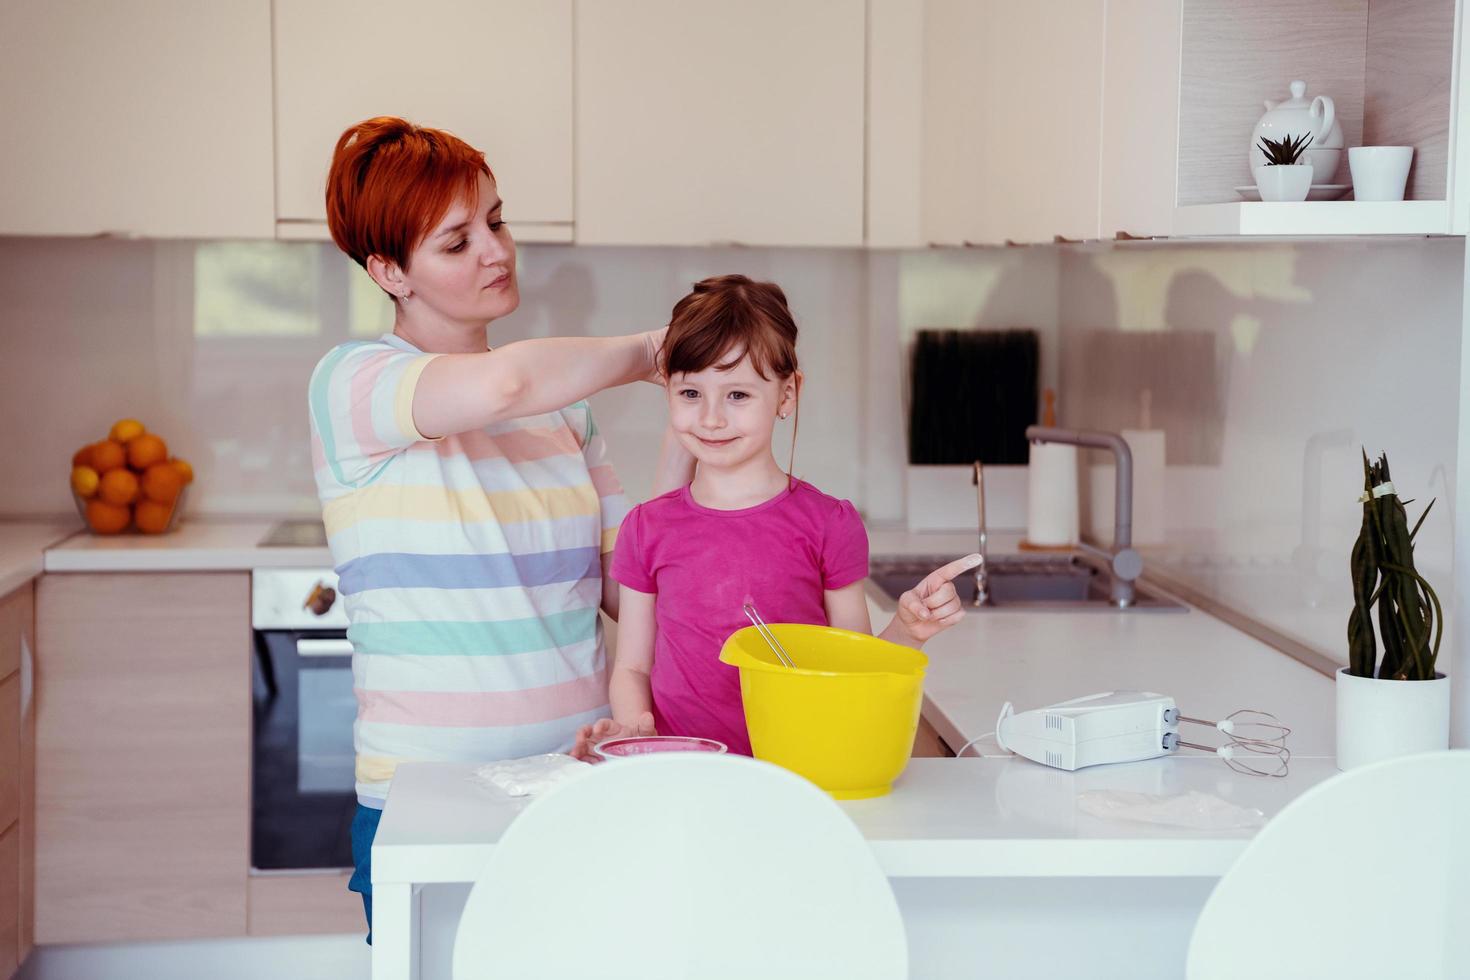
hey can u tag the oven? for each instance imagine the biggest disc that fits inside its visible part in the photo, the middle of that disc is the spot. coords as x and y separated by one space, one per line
303 795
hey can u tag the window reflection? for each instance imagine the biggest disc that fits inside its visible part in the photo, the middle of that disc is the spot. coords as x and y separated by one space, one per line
285 290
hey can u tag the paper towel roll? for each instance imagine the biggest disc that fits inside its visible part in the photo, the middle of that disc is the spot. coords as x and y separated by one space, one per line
1051 498
1147 446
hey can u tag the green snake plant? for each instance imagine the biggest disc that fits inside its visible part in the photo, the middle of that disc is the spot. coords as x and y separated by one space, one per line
1286 151
1384 576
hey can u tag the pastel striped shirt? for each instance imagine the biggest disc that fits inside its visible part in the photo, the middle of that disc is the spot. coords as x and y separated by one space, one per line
469 566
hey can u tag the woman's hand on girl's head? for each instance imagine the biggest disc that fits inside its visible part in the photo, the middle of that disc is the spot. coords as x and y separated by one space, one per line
933 606
606 728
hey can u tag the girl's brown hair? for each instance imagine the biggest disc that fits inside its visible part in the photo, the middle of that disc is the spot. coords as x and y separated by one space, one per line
726 318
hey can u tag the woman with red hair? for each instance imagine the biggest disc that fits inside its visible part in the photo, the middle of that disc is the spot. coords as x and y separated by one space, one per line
469 503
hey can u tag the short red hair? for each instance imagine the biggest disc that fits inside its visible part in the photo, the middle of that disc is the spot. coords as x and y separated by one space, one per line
392 181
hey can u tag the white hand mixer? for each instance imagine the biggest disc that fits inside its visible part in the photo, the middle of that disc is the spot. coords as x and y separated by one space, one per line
1127 726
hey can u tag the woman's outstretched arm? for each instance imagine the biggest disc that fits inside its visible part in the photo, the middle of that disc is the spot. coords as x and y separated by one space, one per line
460 392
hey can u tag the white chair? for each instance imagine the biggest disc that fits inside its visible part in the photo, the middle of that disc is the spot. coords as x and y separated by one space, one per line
1364 875
682 866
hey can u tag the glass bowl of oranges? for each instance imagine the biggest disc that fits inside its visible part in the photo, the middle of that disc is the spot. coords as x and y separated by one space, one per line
129 481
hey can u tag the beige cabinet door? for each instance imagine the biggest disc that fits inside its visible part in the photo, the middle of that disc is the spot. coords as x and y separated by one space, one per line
703 121
1140 130
136 117
497 73
143 756
1012 119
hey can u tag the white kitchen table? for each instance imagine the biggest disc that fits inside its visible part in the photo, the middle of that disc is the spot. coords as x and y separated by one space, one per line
996 870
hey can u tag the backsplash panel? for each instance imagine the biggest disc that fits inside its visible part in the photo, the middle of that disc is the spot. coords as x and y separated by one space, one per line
1272 367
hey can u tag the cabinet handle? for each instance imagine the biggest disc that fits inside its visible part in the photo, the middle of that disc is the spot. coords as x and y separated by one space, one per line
27 675
323 648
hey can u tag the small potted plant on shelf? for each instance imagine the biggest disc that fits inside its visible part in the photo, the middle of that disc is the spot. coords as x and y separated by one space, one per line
1397 704
1283 177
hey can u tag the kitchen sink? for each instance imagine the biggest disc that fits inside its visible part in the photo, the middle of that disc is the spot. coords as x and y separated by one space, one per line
1064 582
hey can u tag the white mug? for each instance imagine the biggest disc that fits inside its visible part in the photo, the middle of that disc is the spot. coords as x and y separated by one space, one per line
1380 173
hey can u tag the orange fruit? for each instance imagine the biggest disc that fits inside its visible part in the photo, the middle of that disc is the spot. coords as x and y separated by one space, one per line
126 430
83 456
118 487
108 455
162 483
145 450
84 481
152 516
105 518
185 470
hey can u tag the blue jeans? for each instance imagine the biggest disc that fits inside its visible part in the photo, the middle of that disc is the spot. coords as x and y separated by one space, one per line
364 829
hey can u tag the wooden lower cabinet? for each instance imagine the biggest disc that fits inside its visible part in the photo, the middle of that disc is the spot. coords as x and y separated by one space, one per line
10 954
304 904
143 756
17 777
928 744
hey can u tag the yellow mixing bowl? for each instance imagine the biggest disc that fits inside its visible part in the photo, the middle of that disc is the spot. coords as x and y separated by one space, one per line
843 717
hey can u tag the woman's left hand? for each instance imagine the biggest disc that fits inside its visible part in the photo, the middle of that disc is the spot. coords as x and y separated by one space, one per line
933 606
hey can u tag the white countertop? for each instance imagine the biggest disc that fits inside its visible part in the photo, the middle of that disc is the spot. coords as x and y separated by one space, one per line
22 549
195 545
946 818
1034 659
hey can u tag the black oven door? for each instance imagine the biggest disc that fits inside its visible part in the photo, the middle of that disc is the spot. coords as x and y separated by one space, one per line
304 706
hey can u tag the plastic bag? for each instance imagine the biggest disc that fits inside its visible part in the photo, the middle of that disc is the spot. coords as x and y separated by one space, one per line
1196 810
531 775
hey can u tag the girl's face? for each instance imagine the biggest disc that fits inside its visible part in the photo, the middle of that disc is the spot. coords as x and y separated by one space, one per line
465 268
725 418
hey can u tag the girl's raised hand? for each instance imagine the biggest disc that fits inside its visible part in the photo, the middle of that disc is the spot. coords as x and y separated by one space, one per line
606 728
933 606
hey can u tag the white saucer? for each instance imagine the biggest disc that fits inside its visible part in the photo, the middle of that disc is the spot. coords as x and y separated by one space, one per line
1319 192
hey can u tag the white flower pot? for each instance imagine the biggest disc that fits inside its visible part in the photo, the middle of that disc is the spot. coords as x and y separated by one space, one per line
1378 719
1285 183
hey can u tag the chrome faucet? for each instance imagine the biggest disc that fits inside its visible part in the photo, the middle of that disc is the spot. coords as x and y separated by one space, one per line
1125 564
982 570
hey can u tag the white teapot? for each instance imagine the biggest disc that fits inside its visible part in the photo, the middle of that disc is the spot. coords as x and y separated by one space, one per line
1299 115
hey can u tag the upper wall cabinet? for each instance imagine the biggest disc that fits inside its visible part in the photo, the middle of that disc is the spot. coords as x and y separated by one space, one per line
497 73
703 121
1008 94
1012 90
1140 118
137 118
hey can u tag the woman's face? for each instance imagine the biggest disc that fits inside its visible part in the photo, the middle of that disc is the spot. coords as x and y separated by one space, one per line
725 418
465 268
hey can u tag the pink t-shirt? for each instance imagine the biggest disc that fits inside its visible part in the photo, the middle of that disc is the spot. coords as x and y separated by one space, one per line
703 563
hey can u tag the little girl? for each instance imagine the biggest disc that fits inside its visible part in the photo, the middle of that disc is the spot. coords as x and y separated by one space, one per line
743 530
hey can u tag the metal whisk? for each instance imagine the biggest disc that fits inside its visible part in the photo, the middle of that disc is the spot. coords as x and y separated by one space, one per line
1256 746
767 635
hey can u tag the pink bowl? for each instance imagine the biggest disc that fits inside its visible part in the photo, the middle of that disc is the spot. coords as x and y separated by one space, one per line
621 748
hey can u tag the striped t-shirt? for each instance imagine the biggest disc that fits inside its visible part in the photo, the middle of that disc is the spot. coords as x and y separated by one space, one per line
469 567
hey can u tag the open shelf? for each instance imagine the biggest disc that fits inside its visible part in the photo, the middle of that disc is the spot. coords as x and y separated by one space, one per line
1307 219
1388 65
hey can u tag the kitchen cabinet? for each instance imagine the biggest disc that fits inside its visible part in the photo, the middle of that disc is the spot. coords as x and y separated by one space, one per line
143 756
701 122
137 119
1012 90
10 955
497 73
17 778
993 109
1140 118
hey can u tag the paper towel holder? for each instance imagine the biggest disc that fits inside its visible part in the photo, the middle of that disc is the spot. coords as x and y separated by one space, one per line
1125 563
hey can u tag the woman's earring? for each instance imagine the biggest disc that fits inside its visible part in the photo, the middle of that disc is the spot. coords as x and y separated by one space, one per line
783 416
